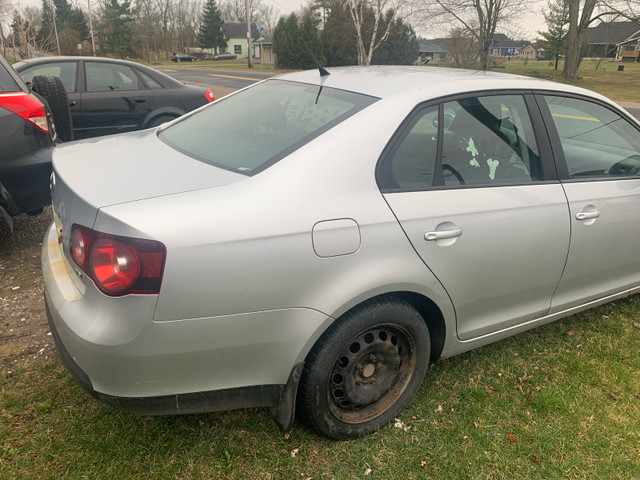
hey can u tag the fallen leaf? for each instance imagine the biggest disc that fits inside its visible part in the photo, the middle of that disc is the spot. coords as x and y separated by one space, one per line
624 361
636 325
614 396
294 452
439 409
535 458
570 332
511 438
401 425
367 471
423 465
489 389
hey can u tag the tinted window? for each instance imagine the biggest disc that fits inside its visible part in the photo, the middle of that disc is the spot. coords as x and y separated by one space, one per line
7 82
596 141
411 162
251 130
151 83
66 71
490 140
104 77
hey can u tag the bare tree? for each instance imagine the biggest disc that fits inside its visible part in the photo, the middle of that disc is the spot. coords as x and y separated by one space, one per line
479 18
385 13
461 46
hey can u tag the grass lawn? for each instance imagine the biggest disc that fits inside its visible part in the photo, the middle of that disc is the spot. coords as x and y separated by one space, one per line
561 401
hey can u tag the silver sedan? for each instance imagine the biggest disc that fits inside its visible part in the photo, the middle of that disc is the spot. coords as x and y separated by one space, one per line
309 244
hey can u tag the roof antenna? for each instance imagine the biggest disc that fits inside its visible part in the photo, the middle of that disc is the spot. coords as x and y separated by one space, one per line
323 72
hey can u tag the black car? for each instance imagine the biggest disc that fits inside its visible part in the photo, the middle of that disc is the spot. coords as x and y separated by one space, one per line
27 136
225 56
112 96
183 57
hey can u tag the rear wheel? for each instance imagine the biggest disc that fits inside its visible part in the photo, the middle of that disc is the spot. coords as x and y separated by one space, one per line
156 122
365 369
52 90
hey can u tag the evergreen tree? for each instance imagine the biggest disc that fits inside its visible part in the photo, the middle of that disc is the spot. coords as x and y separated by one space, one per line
116 27
46 35
211 34
557 20
288 37
400 48
338 36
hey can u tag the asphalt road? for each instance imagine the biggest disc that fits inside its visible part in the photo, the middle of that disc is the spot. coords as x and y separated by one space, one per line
229 81
212 77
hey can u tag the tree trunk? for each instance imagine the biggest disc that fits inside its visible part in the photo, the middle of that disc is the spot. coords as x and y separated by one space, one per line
578 24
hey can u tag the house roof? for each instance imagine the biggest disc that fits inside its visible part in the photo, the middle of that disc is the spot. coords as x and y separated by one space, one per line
500 40
239 30
435 45
611 33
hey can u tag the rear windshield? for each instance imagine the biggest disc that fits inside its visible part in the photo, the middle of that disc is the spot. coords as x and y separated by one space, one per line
252 130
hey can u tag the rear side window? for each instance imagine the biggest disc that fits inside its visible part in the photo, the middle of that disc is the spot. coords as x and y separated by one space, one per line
483 141
596 142
66 71
253 129
7 82
107 77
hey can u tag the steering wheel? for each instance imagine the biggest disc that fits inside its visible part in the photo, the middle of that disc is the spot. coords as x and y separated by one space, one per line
454 172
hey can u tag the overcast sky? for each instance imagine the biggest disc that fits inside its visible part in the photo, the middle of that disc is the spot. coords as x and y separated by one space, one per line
527 26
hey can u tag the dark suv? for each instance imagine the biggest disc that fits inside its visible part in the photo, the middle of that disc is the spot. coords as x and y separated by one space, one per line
27 136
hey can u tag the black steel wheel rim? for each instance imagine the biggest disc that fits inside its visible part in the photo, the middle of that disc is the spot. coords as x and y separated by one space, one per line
371 373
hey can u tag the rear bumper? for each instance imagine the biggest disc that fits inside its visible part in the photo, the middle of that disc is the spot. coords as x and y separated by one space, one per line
115 350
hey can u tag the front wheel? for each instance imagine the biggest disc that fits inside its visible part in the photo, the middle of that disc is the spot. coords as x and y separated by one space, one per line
365 369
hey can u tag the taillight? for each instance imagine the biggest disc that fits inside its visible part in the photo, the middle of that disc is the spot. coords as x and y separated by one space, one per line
27 107
118 265
209 95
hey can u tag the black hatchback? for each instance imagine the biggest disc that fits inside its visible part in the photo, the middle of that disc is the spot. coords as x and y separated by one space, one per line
113 96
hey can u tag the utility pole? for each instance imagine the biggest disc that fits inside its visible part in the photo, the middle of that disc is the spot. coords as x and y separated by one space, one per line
93 42
250 55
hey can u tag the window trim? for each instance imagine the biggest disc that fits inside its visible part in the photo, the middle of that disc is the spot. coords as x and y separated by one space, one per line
554 136
547 163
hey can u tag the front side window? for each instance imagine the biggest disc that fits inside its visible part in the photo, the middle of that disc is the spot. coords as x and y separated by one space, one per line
66 71
105 77
255 128
489 141
596 142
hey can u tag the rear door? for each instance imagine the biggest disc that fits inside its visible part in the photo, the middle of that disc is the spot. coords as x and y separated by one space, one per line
598 153
475 200
115 99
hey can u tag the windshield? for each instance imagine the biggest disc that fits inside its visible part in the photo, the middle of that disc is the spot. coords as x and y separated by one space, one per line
252 130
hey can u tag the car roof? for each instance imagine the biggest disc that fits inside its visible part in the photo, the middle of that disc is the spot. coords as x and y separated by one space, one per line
424 82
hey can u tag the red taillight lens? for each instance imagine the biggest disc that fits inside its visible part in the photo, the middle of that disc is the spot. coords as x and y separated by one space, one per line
118 265
115 265
209 95
27 107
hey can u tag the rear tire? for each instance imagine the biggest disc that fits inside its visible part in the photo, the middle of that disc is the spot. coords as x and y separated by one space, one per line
365 369
52 90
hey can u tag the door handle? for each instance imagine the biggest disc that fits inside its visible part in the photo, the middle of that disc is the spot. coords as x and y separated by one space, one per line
587 215
72 103
443 234
139 100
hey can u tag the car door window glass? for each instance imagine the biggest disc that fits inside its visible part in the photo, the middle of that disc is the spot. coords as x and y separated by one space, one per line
411 162
66 71
107 77
151 83
596 141
489 141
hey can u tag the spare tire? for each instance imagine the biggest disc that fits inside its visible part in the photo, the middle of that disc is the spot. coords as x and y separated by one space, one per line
52 90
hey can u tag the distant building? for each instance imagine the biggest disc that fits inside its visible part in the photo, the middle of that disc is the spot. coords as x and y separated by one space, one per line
432 50
503 46
236 35
604 39
533 51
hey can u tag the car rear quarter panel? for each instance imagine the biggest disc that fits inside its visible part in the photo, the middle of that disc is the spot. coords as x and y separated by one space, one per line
248 247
